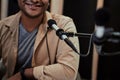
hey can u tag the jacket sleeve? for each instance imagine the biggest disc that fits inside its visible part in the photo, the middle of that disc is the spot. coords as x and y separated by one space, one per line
67 60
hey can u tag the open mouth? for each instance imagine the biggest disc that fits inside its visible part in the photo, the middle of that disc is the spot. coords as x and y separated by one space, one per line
35 5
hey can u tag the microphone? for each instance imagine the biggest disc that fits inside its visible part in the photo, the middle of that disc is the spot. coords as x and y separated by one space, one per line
60 33
105 36
2 70
101 33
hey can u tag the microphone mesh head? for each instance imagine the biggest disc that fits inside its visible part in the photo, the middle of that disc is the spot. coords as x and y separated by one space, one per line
51 22
102 16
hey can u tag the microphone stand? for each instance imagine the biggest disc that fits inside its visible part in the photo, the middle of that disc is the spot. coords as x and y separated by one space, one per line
87 35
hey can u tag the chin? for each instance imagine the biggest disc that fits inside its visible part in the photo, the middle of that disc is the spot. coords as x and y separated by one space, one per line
33 15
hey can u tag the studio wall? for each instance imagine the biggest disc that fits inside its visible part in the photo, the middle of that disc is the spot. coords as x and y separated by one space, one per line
12 7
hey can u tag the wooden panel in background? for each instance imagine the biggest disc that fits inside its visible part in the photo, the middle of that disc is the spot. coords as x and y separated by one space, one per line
4 9
57 6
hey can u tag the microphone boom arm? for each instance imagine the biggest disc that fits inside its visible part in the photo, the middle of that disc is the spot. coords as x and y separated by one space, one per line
87 35
72 34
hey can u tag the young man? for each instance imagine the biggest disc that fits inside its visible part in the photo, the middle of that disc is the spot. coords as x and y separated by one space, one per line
32 51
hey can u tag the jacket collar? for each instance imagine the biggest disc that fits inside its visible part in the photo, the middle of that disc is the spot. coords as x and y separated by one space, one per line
14 20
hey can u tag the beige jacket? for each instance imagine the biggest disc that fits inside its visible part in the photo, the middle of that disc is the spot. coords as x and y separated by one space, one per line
64 61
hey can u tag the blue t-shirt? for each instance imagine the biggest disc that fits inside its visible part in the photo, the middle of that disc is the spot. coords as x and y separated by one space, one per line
25 48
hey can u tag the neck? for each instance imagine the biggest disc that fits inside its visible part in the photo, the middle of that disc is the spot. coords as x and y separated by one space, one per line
31 23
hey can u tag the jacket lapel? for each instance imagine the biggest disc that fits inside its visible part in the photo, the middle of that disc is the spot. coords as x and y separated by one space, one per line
12 56
41 35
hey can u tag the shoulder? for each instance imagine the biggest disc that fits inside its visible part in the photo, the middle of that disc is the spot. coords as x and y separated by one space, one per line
61 18
10 19
64 22
58 17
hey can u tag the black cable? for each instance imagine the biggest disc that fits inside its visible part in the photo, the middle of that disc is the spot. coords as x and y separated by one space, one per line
48 47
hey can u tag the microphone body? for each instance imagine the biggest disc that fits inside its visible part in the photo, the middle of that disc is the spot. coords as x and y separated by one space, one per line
60 33
101 32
